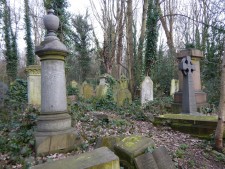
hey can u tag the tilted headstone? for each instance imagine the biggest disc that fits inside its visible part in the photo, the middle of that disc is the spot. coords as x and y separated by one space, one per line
54 132
158 159
3 92
34 84
174 87
188 97
123 93
87 90
146 90
101 158
101 89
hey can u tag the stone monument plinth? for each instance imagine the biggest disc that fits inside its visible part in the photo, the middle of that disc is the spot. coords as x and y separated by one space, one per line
200 96
34 84
54 132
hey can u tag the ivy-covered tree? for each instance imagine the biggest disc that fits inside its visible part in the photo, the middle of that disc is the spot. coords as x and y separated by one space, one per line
10 45
59 7
151 36
30 47
82 38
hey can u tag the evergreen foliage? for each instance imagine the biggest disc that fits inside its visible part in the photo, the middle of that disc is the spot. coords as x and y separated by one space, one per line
10 44
82 38
211 65
151 36
30 47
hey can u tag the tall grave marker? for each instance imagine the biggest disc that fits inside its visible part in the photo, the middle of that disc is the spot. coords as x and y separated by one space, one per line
54 131
188 97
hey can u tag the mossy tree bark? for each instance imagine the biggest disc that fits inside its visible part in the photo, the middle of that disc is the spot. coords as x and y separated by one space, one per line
221 113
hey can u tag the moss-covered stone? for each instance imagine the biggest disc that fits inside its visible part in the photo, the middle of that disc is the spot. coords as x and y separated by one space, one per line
131 147
199 126
101 158
108 141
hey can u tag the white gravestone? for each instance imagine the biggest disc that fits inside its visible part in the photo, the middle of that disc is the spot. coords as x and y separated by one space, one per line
146 90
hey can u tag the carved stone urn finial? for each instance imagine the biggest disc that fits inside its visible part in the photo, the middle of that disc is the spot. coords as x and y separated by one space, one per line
51 23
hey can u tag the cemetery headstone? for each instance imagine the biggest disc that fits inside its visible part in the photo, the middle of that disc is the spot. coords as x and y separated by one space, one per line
54 132
34 84
174 87
3 92
73 84
188 97
101 89
87 90
200 96
146 90
158 159
123 93
101 158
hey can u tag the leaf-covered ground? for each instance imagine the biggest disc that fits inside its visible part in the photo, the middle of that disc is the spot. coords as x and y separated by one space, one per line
186 151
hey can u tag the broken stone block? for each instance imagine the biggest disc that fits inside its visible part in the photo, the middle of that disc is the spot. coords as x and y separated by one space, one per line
131 147
101 158
158 159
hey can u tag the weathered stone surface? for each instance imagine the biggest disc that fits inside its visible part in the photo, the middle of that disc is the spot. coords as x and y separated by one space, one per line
122 93
108 141
101 158
188 97
87 90
3 91
101 90
146 90
131 147
159 159
34 84
73 84
59 141
174 87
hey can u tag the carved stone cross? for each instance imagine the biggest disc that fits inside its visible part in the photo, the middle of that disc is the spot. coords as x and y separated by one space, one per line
188 97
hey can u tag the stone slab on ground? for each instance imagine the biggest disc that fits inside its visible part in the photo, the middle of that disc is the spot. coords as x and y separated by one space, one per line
101 158
158 159
131 147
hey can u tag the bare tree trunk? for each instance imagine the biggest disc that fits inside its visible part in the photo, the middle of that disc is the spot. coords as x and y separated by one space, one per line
168 27
130 45
141 40
221 113
120 28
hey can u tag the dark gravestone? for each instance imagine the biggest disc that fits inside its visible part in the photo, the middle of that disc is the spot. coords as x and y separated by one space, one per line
3 92
159 159
188 97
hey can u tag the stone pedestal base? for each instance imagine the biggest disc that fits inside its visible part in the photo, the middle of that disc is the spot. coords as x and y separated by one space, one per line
60 141
201 101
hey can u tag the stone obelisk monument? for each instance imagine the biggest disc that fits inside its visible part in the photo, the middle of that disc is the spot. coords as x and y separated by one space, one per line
54 132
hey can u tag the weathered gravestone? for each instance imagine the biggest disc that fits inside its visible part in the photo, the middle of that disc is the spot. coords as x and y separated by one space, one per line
158 159
73 84
123 94
146 90
200 96
101 89
34 84
54 132
174 87
131 147
101 158
188 97
87 90
3 92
